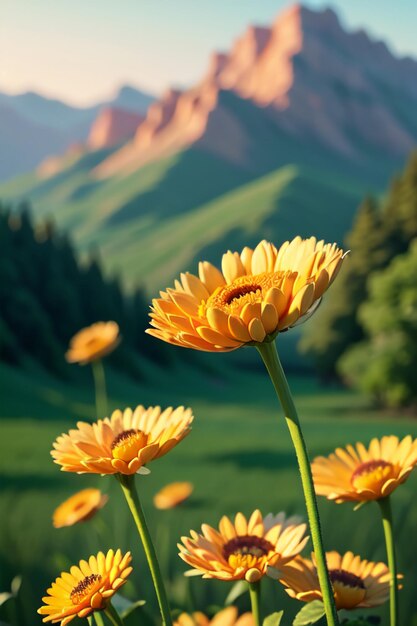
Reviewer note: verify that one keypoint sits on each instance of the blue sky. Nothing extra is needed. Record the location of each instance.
(82, 50)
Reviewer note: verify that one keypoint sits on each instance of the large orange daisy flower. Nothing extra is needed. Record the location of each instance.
(244, 549)
(93, 342)
(356, 583)
(227, 617)
(357, 473)
(86, 588)
(257, 294)
(123, 443)
(80, 507)
(172, 495)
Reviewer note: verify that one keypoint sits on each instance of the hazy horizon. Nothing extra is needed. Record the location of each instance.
(135, 47)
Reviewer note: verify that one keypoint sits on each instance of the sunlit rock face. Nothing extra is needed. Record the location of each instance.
(316, 81)
(113, 126)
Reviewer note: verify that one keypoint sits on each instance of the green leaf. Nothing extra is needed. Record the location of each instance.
(310, 613)
(239, 588)
(274, 619)
(132, 608)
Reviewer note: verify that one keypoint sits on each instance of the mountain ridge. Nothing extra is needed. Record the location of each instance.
(333, 112)
(293, 68)
(55, 124)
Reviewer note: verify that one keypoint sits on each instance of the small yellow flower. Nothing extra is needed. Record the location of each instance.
(93, 342)
(357, 473)
(172, 495)
(356, 583)
(226, 617)
(258, 293)
(244, 549)
(123, 443)
(86, 588)
(80, 507)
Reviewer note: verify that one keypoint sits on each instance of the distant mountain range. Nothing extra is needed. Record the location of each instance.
(284, 134)
(33, 127)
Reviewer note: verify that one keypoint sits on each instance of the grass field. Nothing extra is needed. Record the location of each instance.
(238, 456)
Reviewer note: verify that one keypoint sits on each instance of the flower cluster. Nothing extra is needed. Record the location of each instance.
(256, 295)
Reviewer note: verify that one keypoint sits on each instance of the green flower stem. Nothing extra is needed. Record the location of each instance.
(131, 495)
(255, 596)
(269, 355)
(98, 618)
(113, 615)
(386, 512)
(100, 388)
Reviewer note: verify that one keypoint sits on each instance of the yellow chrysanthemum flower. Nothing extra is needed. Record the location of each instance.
(86, 588)
(244, 549)
(227, 617)
(356, 583)
(80, 507)
(357, 473)
(93, 342)
(123, 443)
(257, 294)
(172, 495)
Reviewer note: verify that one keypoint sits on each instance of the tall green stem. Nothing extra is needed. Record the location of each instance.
(272, 363)
(100, 388)
(113, 615)
(131, 495)
(255, 595)
(386, 512)
(98, 618)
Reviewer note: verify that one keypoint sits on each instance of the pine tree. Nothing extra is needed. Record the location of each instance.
(46, 296)
(384, 364)
(335, 326)
(378, 235)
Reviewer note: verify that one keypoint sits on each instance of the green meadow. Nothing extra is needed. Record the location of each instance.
(238, 456)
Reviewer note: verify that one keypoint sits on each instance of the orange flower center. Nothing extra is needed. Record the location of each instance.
(372, 475)
(349, 589)
(247, 551)
(84, 588)
(128, 443)
(244, 290)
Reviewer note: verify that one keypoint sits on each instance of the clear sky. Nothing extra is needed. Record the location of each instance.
(82, 50)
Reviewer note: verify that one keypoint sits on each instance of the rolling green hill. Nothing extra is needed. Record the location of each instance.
(128, 217)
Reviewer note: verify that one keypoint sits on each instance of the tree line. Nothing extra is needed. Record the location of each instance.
(366, 330)
(47, 295)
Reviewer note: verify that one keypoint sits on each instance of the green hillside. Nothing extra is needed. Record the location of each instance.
(150, 246)
(159, 219)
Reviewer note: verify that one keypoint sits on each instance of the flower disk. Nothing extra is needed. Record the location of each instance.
(355, 583)
(86, 588)
(80, 507)
(172, 495)
(123, 443)
(258, 293)
(94, 342)
(225, 617)
(356, 473)
(245, 549)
